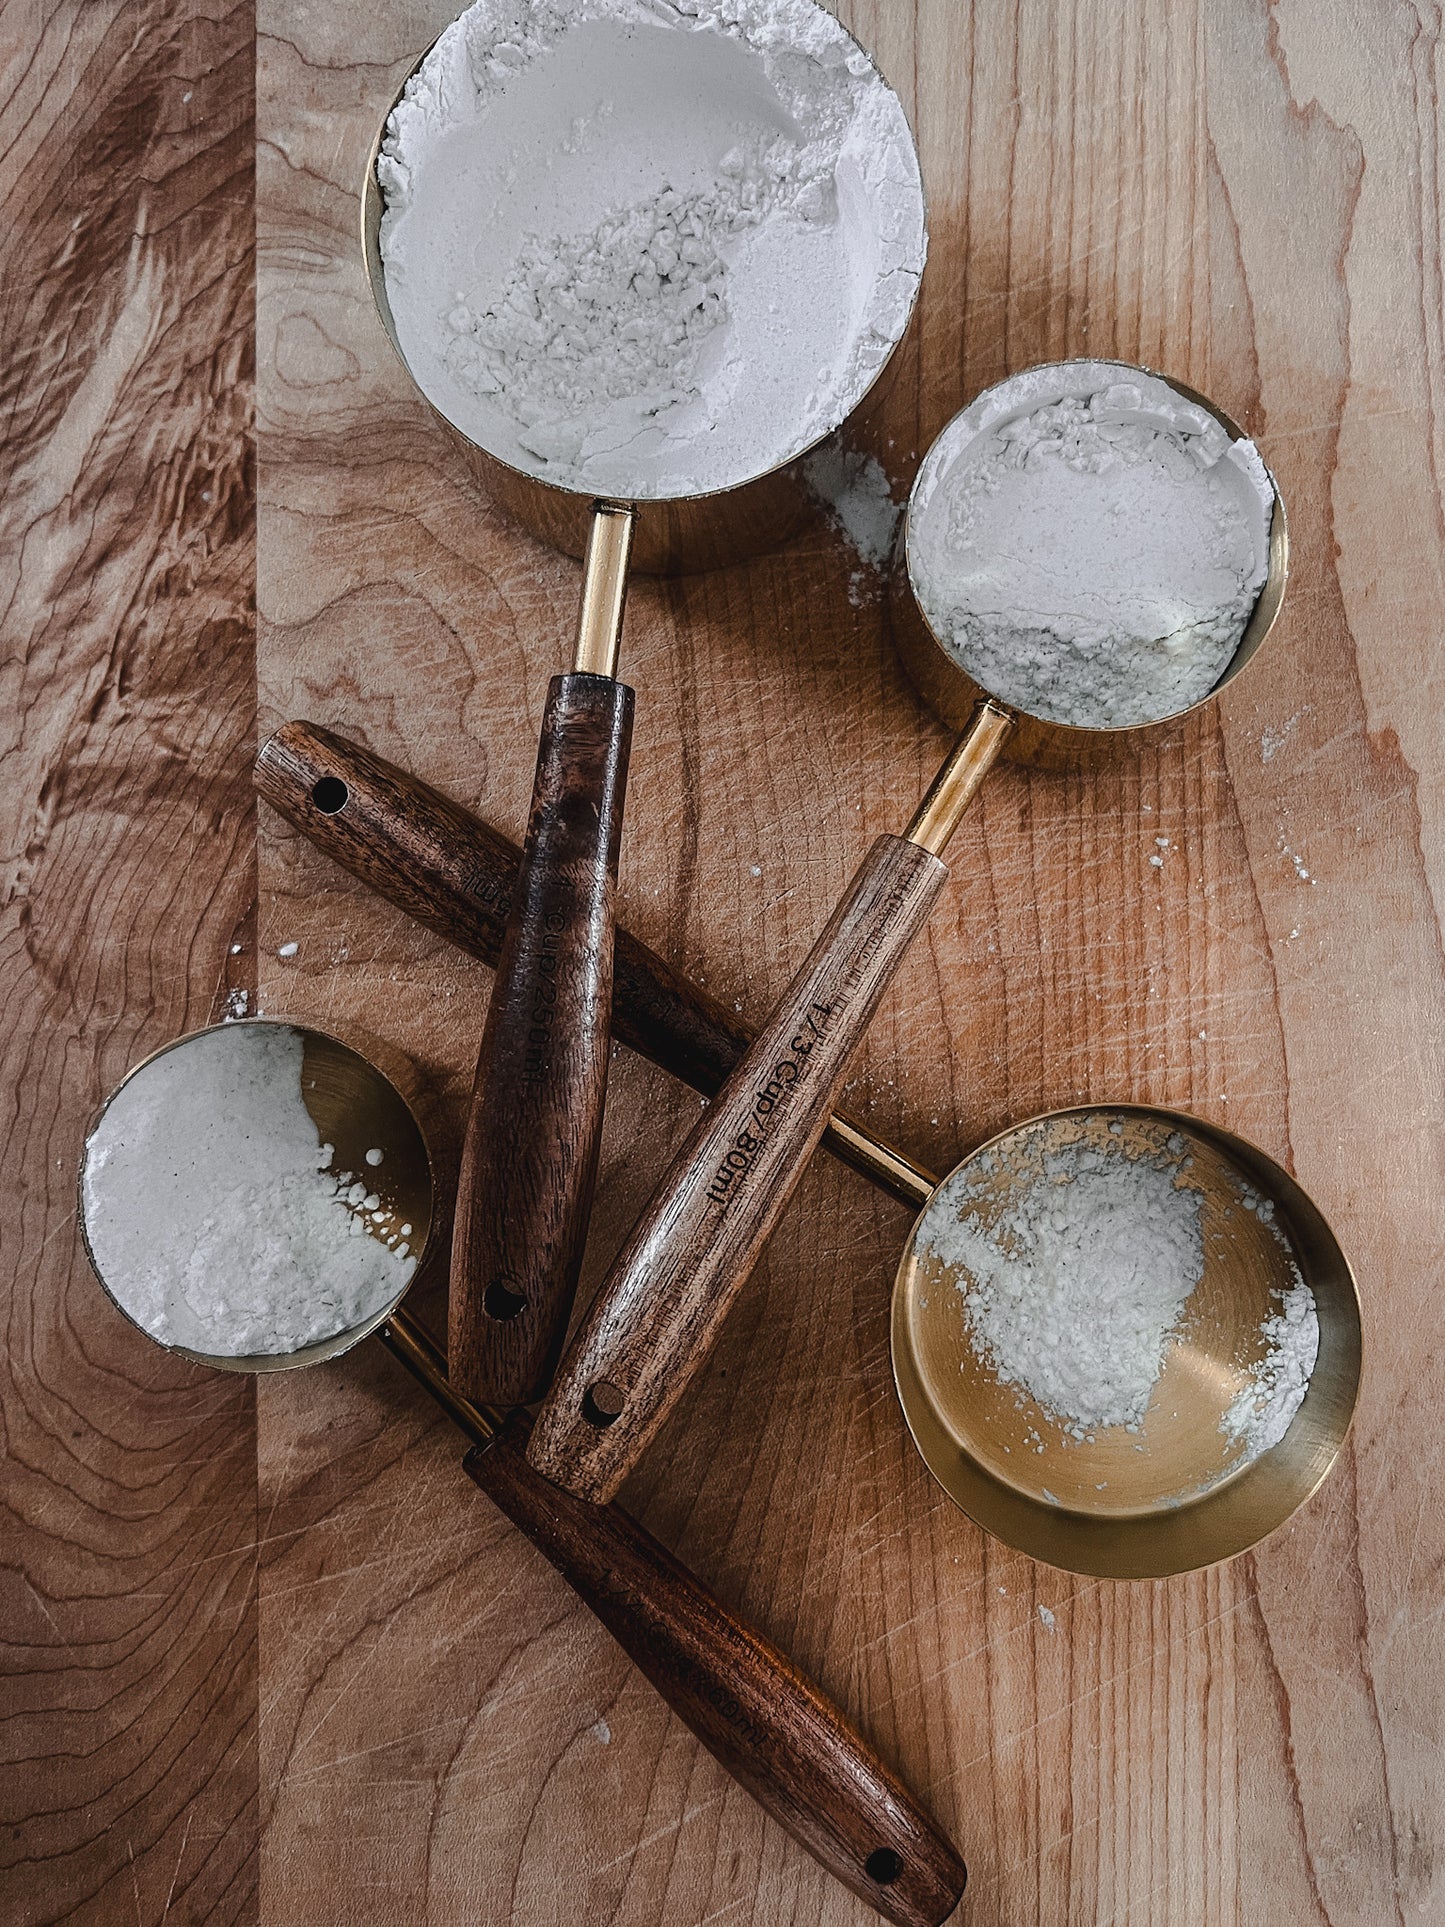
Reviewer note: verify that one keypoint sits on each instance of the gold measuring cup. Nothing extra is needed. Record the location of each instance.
(1180, 1492)
(530, 1156)
(662, 1304)
(769, 1726)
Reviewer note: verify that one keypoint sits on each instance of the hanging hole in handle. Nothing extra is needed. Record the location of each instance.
(499, 1301)
(883, 1866)
(330, 795)
(603, 1402)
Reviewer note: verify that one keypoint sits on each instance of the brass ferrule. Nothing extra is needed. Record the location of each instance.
(604, 587)
(954, 787)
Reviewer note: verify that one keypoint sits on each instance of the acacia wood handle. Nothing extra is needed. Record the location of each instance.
(660, 1307)
(457, 875)
(769, 1726)
(529, 1157)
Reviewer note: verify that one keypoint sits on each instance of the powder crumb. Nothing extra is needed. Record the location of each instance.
(235, 950)
(601, 1732)
(375, 1155)
(288, 950)
(1156, 862)
(210, 1211)
(1272, 740)
(856, 493)
(1047, 1618)
(1299, 867)
(1074, 1285)
(238, 1004)
(1264, 1410)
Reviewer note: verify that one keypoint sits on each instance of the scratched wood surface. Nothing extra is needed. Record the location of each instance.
(267, 1656)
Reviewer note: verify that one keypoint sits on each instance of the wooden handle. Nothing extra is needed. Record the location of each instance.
(660, 1307)
(529, 1158)
(768, 1725)
(457, 875)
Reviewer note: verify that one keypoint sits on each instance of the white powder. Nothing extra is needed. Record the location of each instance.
(211, 1212)
(648, 247)
(1073, 1292)
(855, 491)
(1262, 1413)
(1089, 545)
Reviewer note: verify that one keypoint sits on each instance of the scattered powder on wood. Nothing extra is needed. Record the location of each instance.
(212, 1212)
(1262, 1413)
(1073, 1292)
(855, 491)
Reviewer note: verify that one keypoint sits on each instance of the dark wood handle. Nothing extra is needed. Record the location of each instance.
(768, 1725)
(457, 875)
(529, 1157)
(660, 1308)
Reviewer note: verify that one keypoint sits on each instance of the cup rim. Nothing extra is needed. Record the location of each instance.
(322, 1349)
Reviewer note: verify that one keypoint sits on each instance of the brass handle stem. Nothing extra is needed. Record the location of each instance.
(956, 784)
(404, 1338)
(604, 587)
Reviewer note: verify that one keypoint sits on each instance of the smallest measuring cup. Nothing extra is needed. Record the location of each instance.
(256, 1196)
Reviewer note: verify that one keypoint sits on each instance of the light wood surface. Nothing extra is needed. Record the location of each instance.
(268, 1656)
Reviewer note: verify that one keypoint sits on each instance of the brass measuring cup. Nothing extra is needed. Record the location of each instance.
(658, 1311)
(1179, 1493)
(530, 1155)
(767, 1724)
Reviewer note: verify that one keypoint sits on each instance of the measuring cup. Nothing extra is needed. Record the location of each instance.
(660, 1308)
(1181, 1491)
(530, 1154)
(769, 1726)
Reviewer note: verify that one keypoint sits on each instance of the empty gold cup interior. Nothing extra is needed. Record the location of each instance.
(355, 1107)
(1177, 1493)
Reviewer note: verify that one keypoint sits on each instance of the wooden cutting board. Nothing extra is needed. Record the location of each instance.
(269, 1657)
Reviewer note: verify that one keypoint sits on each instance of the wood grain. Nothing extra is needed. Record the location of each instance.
(1248, 196)
(128, 1767)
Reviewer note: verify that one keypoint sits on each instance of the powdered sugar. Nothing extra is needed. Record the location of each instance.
(1261, 1414)
(648, 247)
(1089, 544)
(856, 493)
(211, 1211)
(1074, 1290)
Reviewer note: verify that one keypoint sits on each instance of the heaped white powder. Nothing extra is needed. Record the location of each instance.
(1262, 1412)
(855, 491)
(1074, 1290)
(212, 1214)
(648, 247)
(1090, 545)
